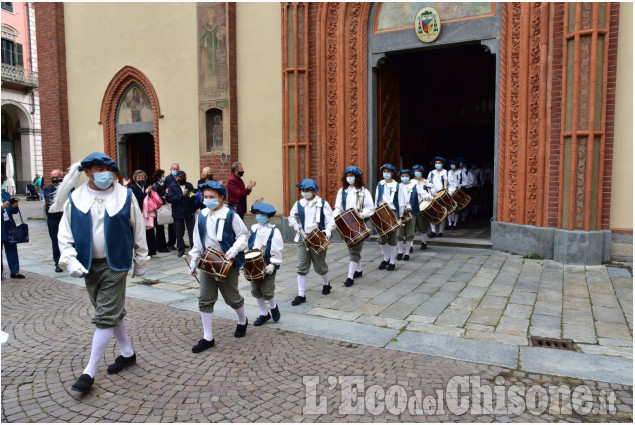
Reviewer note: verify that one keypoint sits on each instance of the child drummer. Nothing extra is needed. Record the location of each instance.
(438, 179)
(387, 193)
(222, 229)
(408, 201)
(306, 215)
(353, 194)
(265, 237)
(425, 193)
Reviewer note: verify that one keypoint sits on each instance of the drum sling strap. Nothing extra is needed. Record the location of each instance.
(252, 241)
(360, 200)
(227, 233)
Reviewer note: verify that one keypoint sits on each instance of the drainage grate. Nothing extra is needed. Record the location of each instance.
(561, 344)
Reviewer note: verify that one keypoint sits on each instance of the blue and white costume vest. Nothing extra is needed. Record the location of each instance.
(321, 222)
(414, 200)
(380, 195)
(357, 207)
(229, 237)
(252, 240)
(118, 235)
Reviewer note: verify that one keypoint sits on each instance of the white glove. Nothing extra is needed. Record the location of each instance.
(231, 253)
(296, 227)
(75, 269)
(270, 268)
(193, 264)
(139, 271)
(327, 232)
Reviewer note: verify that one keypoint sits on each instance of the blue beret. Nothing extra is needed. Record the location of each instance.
(214, 185)
(439, 158)
(418, 167)
(99, 158)
(308, 184)
(453, 161)
(180, 173)
(405, 171)
(461, 159)
(261, 207)
(353, 169)
(388, 167)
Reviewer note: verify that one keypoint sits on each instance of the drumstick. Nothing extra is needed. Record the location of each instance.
(302, 234)
(188, 266)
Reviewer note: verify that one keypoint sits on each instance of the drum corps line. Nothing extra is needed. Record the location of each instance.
(102, 238)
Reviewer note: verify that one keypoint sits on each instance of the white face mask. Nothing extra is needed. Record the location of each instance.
(307, 195)
(350, 180)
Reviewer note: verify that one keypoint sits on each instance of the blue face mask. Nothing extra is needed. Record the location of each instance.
(262, 218)
(211, 203)
(162, 179)
(418, 174)
(387, 176)
(453, 166)
(103, 180)
(438, 166)
(405, 179)
(174, 173)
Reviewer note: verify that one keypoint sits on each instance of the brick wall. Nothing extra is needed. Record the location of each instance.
(51, 48)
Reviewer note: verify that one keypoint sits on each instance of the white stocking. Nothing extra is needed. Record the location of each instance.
(400, 246)
(301, 284)
(240, 312)
(408, 245)
(121, 335)
(101, 338)
(393, 254)
(384, 250)
(206, 319)
(352, 268)
(263, 306)
(325, 279)
(272, 304)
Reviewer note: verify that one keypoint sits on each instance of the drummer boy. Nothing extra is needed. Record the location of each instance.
(408, 200)
(387, 192)
(354, 195)
(219, 228)
(268, 239)
(307, 214)
(425, 193)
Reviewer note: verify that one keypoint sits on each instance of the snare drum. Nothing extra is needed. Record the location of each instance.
(255, 265)
(215, 264)
(444, 198)
(351, 227)
(461, 198)
(317, 241)
(407, 216)
(384, 220)
(433, 211)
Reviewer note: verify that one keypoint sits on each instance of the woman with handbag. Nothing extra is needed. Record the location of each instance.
(158, 177)
(10, 207)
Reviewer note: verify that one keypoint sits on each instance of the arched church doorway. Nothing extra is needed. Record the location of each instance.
(441, 102)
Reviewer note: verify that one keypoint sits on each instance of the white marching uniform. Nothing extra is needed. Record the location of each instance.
(439, 179)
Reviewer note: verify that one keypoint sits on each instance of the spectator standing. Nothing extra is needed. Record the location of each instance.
(53, 218)
(236, 190)
(158, 177)
(181, 195)
(140, 190)
(10, 207)
(169, 179)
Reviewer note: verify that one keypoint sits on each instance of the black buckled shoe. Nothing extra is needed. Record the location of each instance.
(326, 289)
(406, 257)
(439, 235)
(58, 269)
(83, 384)
(399, 256)
(298, 300)
(390, 267)
(357, 274)
(203, 345)
(383, 265)
(424, 246)
(121, 363)
(432, 235)
(241, 330)
(261, 320)
(275, 313)
(349, 282)
(17, 276)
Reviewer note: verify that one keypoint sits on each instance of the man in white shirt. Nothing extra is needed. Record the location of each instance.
(425, 192)
(219, 228)
(101, 232)
(310, 213)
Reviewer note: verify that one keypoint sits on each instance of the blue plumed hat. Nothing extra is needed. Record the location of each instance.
(353, 169)
(214, 185)
(405, 171)
(439, 158)
(388, 167)
(308, 184)
(263, 208)
(98, 158)
(418, 167)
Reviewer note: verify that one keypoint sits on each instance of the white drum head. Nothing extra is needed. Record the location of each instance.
(252, 255)
(424, 205)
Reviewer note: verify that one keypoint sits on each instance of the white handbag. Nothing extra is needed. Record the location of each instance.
(164, 215)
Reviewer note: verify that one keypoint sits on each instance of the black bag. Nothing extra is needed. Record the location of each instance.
(19, 233)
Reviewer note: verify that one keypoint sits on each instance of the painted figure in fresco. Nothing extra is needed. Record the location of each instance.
(210, 41)
(217, 132)
(135, 104)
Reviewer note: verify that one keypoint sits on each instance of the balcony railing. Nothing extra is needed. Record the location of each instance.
(19, 76)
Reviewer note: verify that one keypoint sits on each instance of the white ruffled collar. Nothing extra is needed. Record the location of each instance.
(113, 203)
(217, 214)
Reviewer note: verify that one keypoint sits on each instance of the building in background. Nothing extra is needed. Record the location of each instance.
(21, 134)
(540, 92)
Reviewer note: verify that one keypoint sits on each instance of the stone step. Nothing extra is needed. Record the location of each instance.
(451, 241)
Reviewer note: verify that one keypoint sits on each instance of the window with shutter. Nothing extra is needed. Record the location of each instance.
(8, 6)
(8, 52)
(18, 55)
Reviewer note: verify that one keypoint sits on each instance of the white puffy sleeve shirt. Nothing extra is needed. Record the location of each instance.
(355, 197)
(213, 236)
(312, 215)
(263, 231)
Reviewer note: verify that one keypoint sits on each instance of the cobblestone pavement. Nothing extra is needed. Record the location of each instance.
(474, 294)
(258, 378)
